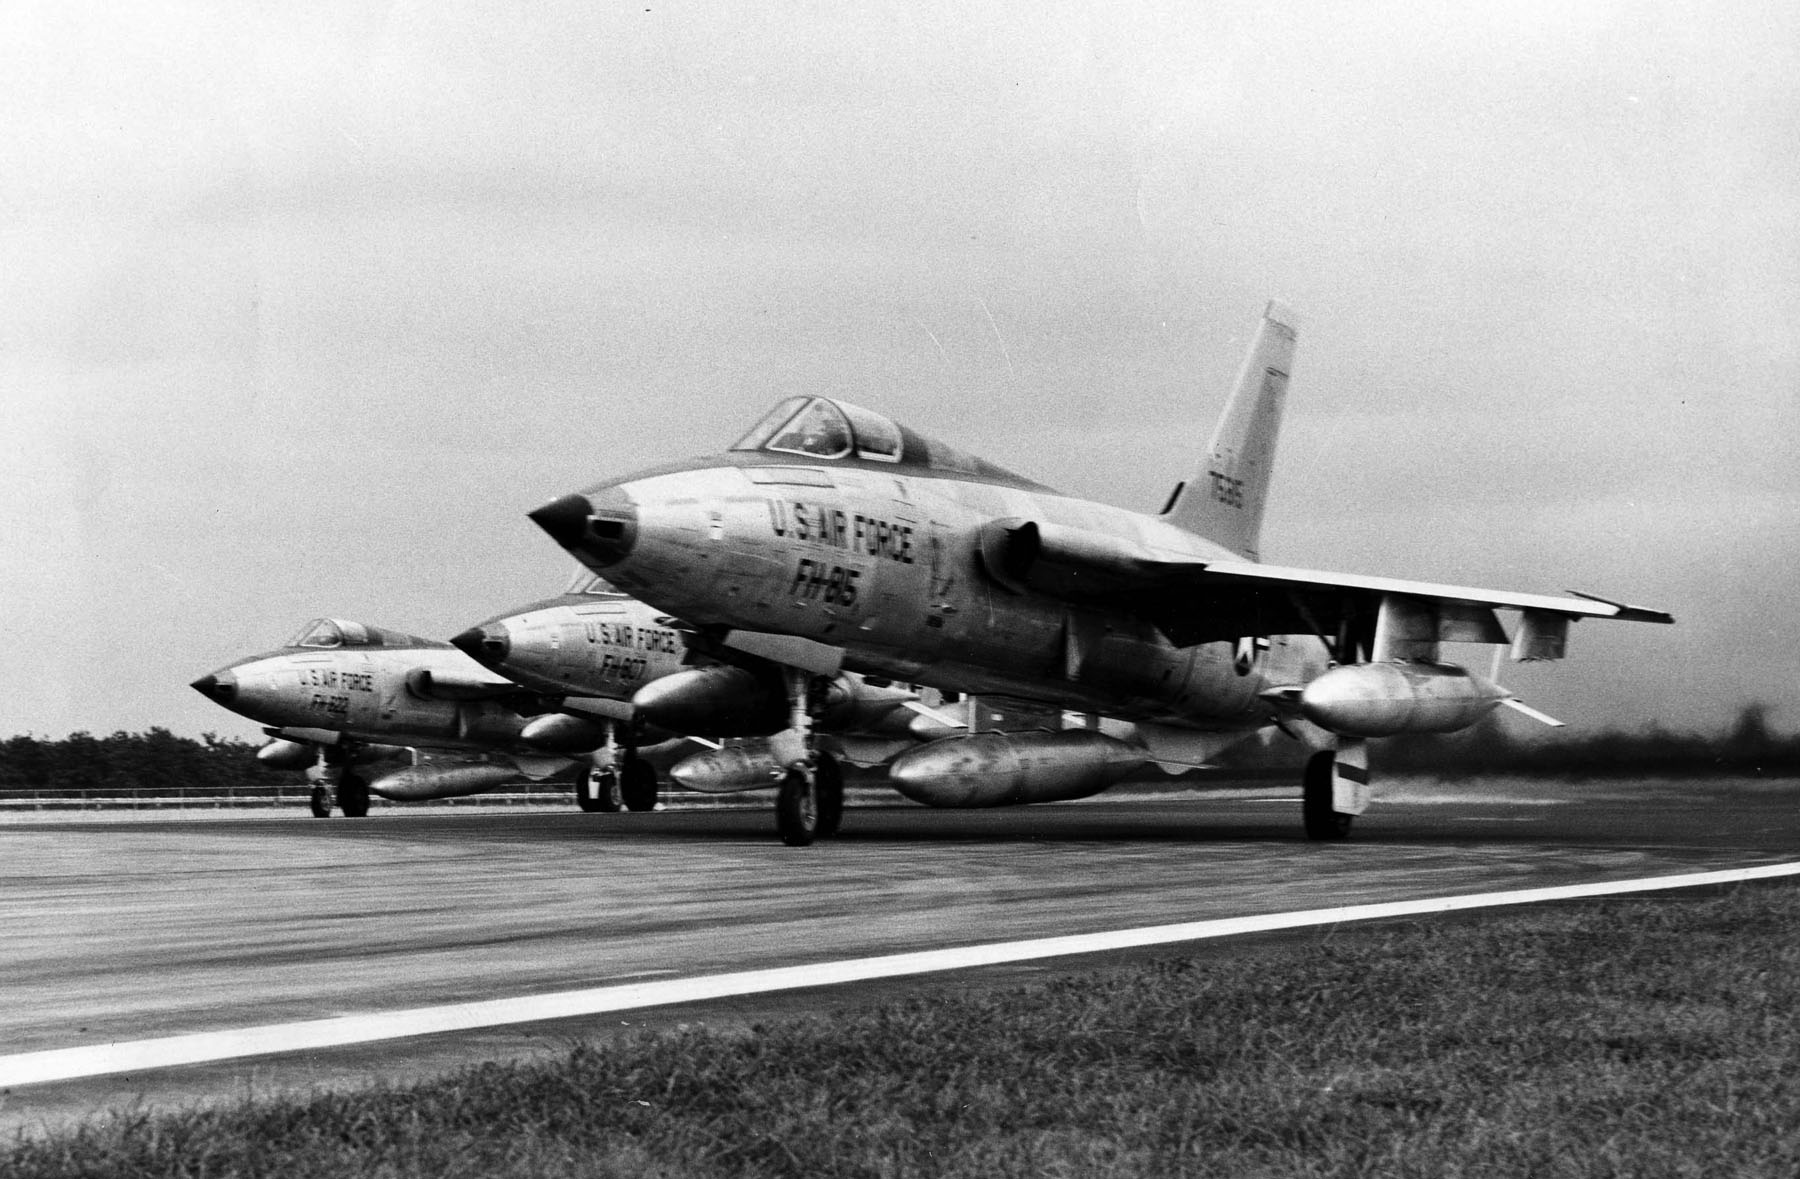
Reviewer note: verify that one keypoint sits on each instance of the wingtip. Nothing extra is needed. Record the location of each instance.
(1627, 613)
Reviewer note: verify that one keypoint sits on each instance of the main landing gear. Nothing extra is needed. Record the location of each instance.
(1335, 789)
(1321, 821)
(619, 780)
(338, 782)
(810, 804)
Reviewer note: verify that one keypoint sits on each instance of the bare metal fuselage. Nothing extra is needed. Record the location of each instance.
(369, 695)
(886, 564)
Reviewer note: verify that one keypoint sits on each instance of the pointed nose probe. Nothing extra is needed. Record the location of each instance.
(565, 519)
(487, 645)
(220, 686)
(600, 529)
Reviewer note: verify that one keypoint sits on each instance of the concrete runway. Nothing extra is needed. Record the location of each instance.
(121, 925)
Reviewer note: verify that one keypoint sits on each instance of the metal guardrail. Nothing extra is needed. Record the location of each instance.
(203, 797)
(551, 794)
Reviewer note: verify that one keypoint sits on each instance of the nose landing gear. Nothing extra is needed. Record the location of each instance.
(810, 804)
(618, 780)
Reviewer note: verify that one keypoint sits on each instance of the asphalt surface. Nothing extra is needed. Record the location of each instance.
(124, 926)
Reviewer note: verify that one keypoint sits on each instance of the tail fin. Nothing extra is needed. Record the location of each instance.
(1224, 499)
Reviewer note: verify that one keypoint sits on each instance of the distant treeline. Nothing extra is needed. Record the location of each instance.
(153, 761)
(159, 760)
(1746, 747)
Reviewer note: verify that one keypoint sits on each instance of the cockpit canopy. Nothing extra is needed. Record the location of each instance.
(328, 633)
(827, 429)
(823, 428)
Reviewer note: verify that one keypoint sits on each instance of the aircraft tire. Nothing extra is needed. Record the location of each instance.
(797, 808)
(320, 801)
(1322, 823)
(598, 792)
(352, 795)
(638, 784)
(828, 779)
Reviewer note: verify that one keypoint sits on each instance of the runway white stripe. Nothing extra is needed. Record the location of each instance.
(133, 1056)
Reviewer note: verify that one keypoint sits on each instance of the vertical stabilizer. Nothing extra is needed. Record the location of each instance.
(1223, 500)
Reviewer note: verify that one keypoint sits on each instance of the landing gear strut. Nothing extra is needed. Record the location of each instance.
(1322, 821)
(811, 801)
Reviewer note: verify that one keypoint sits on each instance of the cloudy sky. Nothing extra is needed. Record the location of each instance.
(305, 306)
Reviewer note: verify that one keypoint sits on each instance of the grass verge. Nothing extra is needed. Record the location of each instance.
(1626, 1038)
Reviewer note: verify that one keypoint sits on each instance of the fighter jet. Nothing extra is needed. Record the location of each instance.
(588, 649)
(830, 537)
(408, 718)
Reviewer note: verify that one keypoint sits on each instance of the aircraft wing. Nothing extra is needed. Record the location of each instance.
(1272, 599)
(1196, 601)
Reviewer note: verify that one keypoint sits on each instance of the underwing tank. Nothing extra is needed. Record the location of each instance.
(733, 768)
(282, 754)
(561, 732)
(420, 782)
(716, 701)
(1003, 769)
(1382, 699)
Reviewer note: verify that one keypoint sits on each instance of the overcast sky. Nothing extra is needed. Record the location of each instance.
(304, 307)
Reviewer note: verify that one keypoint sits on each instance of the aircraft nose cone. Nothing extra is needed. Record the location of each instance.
(488, 645)
(565, 519)
(600, 529)
(220, 686)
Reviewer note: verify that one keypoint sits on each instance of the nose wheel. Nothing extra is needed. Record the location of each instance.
(619, 780)
(797, 807)
(811, 802)
(597, 791)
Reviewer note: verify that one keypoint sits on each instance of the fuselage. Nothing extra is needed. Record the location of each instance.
(368, 684)
(592, 642)
(882, 557)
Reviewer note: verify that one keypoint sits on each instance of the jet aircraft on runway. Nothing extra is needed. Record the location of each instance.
(588, 679)
(586, 650)
(830, 537)
(410, 718)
